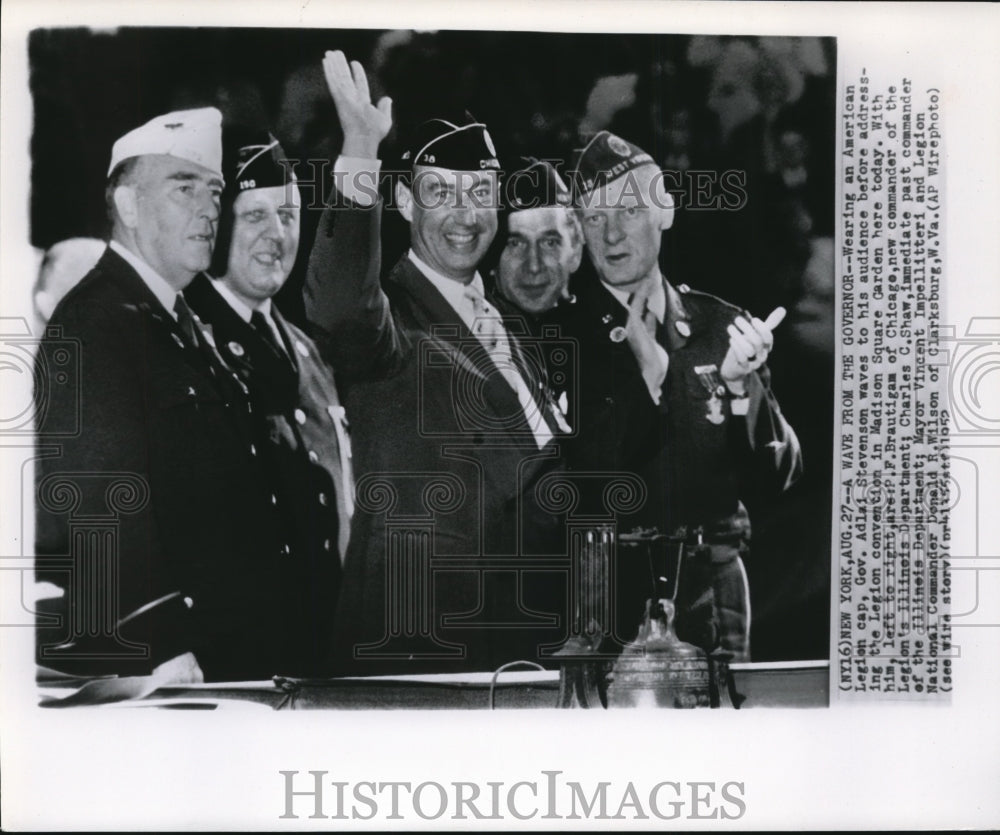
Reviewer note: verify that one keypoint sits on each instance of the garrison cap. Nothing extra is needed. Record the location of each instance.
(255, 159)
(604, 159)
(194, 135)
(536, 186)
(444, 144)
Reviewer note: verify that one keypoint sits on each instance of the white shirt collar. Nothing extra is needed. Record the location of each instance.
(243, 310)
(158, 285)
(657, 300)
(453, 291)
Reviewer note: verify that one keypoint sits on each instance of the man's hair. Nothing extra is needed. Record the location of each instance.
(121, 175)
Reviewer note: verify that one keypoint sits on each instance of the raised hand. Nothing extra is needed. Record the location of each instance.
(364, 124)
(749, 344)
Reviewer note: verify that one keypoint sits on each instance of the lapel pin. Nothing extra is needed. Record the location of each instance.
(617, 334)
(236, 349)
(606, 319)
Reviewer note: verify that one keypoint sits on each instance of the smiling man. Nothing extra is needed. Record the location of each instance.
(300, 426)
(152, 443)
(451, 425)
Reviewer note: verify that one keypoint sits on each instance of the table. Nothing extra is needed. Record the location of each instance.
(798, 684)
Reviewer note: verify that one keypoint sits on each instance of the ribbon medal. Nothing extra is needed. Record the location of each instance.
(710, 379)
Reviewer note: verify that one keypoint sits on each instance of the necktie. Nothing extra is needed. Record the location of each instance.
(192, 339)
(488, 328)
(276, 375)
(650, 354)
(185, 320)
(266, 332)
(650, 321)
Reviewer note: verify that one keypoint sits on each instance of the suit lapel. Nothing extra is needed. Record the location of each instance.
(680, 325)
(447, 331)
(287, 339)
(133, 288)
(242, 347)
(606, 316)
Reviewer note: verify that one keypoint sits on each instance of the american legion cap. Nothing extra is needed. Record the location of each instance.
(193, 135)
(602, 160)
(536, 186)
(443, 144)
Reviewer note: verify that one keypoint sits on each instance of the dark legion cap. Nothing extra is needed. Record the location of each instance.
(257, 162)
(604, 159)
(444, 144)
(537, 185)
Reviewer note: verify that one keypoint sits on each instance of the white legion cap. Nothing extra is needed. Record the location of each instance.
(194, 135)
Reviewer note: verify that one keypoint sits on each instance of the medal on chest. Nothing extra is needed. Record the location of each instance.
(710, 379)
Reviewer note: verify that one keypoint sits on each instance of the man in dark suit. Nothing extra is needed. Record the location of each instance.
(538, 248)
(451, 427)
(153, 508)
(301, 425)
(674, 388)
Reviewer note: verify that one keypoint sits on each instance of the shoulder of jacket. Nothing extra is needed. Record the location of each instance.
(706, 301)
(95, 305)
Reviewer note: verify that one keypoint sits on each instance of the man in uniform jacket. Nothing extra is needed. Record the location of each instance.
(451, 430)
(674, 388)
(154, 513)
(300, 427)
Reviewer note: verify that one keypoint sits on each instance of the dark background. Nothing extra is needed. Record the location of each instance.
(762, 106)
